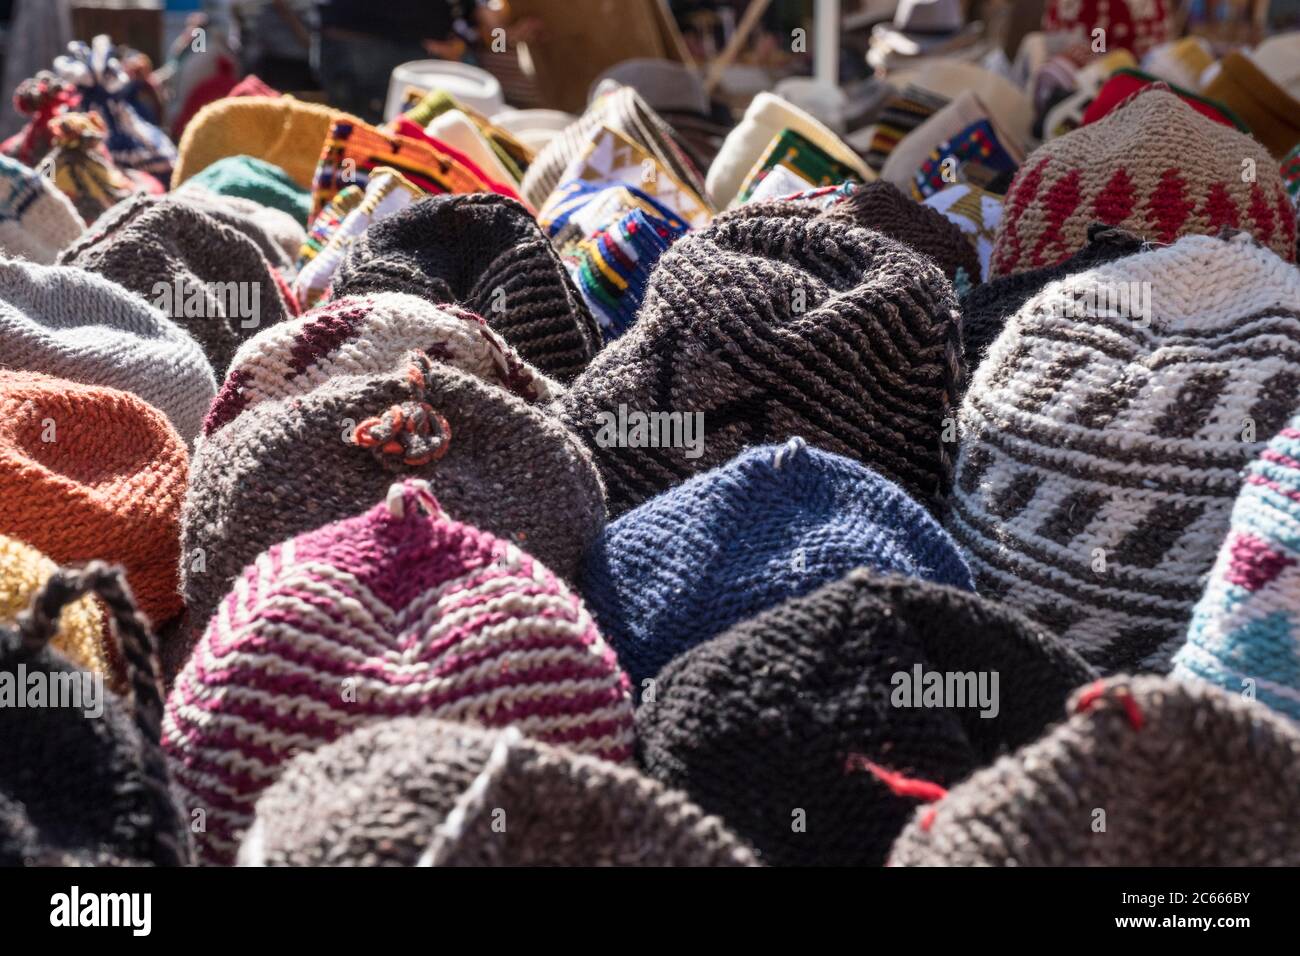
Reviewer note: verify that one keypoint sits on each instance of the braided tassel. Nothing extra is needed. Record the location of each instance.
(411, 433)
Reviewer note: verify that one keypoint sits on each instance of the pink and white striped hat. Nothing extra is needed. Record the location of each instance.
(400, 611)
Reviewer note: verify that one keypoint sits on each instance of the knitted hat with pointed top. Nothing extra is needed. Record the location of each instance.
(484, 252)
(766, 327)
(1163, 765)
(775, 522)
(445, 621)
(284, 466)
(1104, 435)
(802, 727)
(1155, 167)
(420, 791)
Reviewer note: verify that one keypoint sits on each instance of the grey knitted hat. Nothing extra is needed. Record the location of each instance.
(1146, 771)
(276, 233)
(486, 253)
(797, 725)
(286, 466)
(76, 325)
(1104, 435)
(209, 277)
(773, 327)
(425, 792)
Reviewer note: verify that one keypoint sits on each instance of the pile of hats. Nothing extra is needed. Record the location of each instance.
(661, 490)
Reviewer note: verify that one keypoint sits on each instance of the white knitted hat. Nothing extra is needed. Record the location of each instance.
(36, 220)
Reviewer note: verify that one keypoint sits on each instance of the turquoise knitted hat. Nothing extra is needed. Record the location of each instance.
(251, 178)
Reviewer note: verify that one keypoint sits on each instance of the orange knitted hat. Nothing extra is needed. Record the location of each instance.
(1153, 166)
(89, 472)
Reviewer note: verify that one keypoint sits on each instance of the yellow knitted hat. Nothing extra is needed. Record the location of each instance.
(281, 130)
(23, 570)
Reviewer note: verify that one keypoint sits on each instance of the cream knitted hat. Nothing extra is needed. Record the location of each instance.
(36, 219)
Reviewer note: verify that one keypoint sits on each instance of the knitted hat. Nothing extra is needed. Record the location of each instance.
(277, 236)
(1135, 25)
(80, 637)
(71, 323)
(41, 98)
(1145, 772)
(976, 213)
(949, 131)
(986, 309)
(89, 472)
(625, 112)
(207, 276)
(251, 178)
(768, 327)
(579, 209)
(85, 782)
(1122, 84)
(1155, 167)
(36, 219)
(362, 335)
(447, 621)
(786, 725)
(1184, 351)
(1243, 633)
(279, 130)
(104, 87)
(1271, 112)
(796, 161)
(776, 522)
(441, 114)
(80, 167)
(286, 466)
(486, 253)
(767, 116)
(387, 192)
(327, 222)
(420, 791)
(354, 150)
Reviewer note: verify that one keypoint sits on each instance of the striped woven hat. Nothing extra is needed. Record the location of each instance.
(363, 335)
(284, 466)
(1104, 435)
(768, 327)
(1245, 634)
(488, 254)
(1153, 166)
(426, 792)
(442, 620)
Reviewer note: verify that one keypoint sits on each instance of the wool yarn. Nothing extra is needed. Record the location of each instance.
(282, 467)
(277, 235)
(421, 791)
(36, 219)
(487, 254)
(85, 782)
(986, 308)
(74, 324)
(279, 130)
(445, 621)
(776, 522)
(361, 335)
(1242, 637)
(208, 277)
(80, 634)
(1133, 168)
(623, 111)
(772, 327)
(1105, 540)
(251, 178)
(777, 724)
(1186, 775)
(89, 472)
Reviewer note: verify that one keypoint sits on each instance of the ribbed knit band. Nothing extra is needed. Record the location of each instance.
(1244, 634)
(410, 792)
(445, 620)
(71, 323)
(774, 327)
(775, 725)
(1103, 439)
(1145, 772)
(486, 253)
(776, 522)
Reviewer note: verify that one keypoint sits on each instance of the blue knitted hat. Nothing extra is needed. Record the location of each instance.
(774, 523)
(1245, 632)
